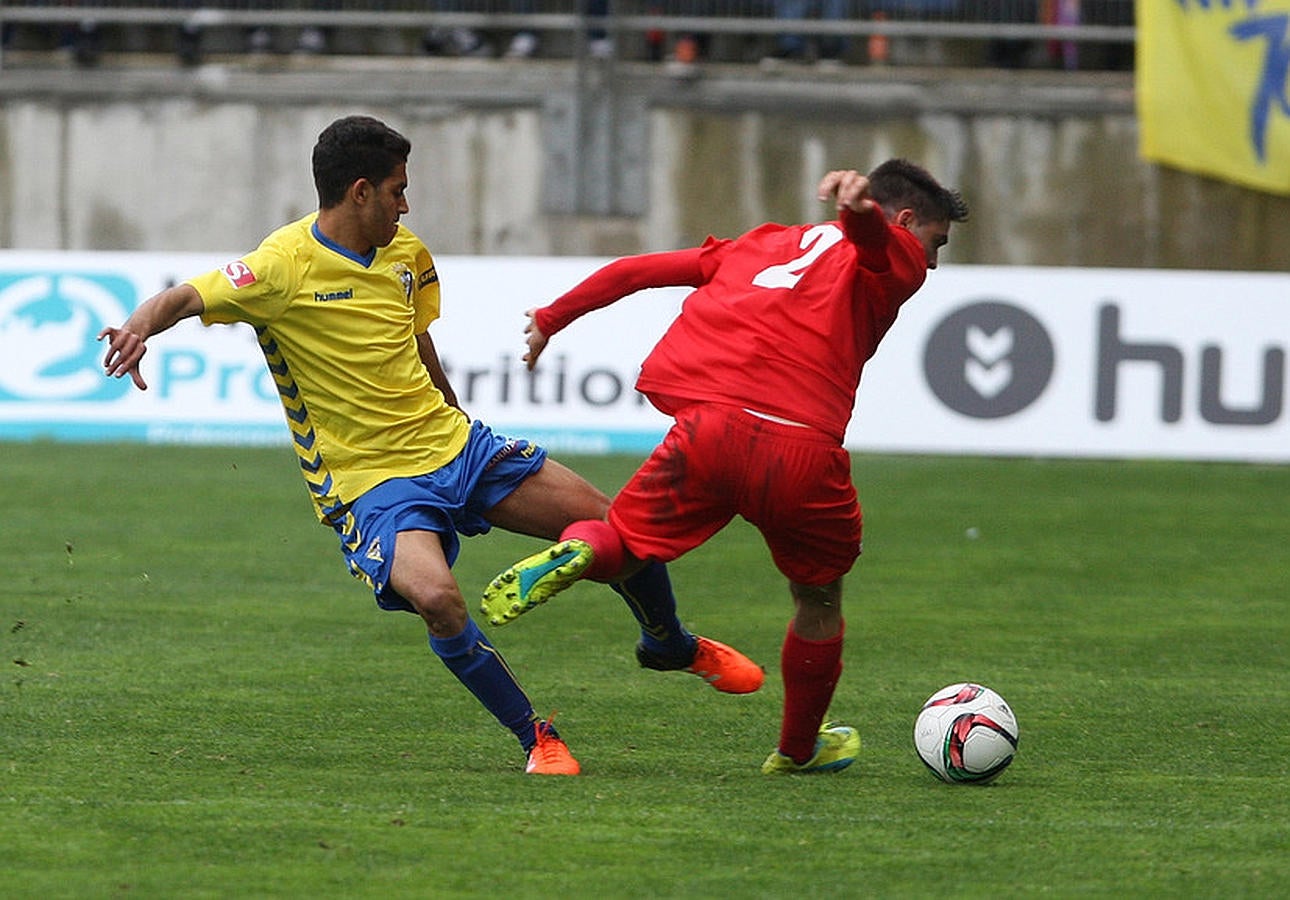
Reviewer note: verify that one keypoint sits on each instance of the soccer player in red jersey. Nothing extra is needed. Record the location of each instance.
(760, 371)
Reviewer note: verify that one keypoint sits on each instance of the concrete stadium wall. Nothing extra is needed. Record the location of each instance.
(550, 159)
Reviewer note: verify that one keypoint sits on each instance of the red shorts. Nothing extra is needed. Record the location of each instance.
(716, 462)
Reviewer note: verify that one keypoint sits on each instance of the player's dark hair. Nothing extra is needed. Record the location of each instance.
(352, 148)
(900, 184)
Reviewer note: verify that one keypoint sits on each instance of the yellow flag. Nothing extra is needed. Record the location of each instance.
(1213, 88)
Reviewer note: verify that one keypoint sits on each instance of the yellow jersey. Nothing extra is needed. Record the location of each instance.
(339, 335)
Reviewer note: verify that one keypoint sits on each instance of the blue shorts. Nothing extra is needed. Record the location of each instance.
(448, 501)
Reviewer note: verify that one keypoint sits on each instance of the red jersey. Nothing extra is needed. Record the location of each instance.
(782, 319)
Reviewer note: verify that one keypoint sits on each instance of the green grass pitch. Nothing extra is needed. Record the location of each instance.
(198, 701)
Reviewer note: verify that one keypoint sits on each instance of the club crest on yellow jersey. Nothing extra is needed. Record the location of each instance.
(404, 274)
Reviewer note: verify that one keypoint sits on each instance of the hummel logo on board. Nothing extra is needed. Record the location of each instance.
(988, 359)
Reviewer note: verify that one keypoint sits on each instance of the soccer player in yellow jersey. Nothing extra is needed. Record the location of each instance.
(341, 301)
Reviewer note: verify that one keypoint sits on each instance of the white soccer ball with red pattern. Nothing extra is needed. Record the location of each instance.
(966, 734)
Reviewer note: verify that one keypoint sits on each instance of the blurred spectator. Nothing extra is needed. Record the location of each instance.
(87, 43)
(1063, 12)
(1112, 55)
(259, 39)
(524, 44)
(928, 51)
(827, 48)
(1009, 53)
(690, 47)
(188, 44)
(459, 40)
(599, 43)
(456, 41)
(311, 39)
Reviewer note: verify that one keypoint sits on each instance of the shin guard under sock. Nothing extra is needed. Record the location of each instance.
(810, 670)
(485, 674)
(649, 596)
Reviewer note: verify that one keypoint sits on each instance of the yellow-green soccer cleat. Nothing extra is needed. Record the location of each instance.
(836, 748)
(535, 580)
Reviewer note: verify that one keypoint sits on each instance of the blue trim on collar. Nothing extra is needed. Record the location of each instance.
(365, 260)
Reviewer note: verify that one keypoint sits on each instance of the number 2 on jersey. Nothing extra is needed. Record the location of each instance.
(786, 275)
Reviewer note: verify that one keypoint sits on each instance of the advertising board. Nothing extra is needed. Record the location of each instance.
(983, 360)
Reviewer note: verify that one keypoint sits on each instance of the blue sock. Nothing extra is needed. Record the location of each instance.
(482, 670)
(649, 596)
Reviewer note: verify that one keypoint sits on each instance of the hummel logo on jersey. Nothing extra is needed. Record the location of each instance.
(511, 448)
(328, 296)
(239, 274)
(374, 550)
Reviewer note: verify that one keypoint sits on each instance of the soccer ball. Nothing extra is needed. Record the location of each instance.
(966, 734)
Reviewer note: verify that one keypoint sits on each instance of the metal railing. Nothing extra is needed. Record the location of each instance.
(1073, 22)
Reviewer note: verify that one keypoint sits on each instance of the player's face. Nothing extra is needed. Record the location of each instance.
(387, 202)
(932, 235)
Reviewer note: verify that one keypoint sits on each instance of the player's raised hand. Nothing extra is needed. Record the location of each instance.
(161, 311)
(848, 188)
(534, 338)
(125, 349)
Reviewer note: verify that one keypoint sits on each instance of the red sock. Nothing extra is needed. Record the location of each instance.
(605, 543)
(810, 670)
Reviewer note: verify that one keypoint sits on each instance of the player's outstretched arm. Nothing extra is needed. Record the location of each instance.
(127, 344)
(608, 284)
